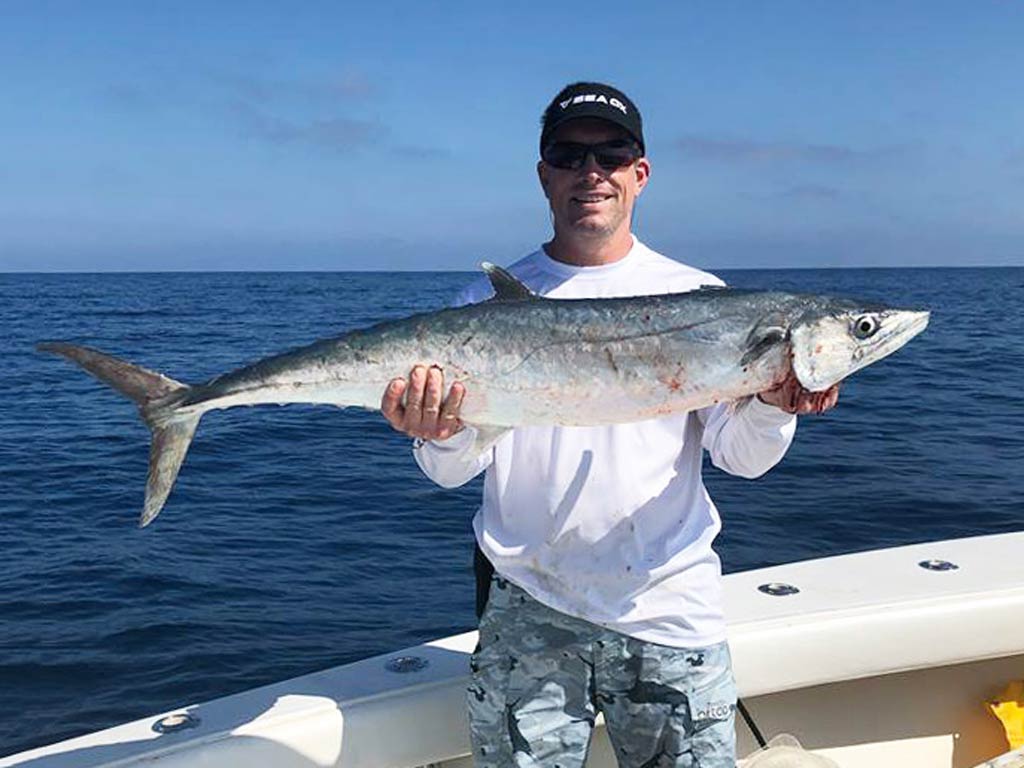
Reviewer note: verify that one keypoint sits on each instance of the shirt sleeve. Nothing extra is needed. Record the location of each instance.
(746, 438)
(452, 462)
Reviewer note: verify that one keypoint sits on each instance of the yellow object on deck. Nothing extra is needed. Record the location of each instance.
(1009, 708)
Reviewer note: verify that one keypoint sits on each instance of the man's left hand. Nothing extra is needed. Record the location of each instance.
(791, 397)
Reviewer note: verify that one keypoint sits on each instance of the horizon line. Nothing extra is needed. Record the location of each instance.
(470, 270)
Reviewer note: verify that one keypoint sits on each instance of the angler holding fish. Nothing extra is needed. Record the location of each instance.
(586, 389)
(597, 586)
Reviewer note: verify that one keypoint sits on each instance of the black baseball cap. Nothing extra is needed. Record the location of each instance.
(592, 100)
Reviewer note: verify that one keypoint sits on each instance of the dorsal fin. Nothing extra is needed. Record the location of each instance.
(507, 287)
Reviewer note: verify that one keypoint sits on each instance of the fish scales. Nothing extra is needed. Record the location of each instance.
(522, 365)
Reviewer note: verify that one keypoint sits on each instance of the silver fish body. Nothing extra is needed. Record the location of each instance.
(567, 362)
(526, 360)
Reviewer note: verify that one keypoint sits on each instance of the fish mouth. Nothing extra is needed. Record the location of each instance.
(908, 327)
(909, 324)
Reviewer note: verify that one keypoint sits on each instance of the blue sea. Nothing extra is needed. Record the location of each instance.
(304, 537)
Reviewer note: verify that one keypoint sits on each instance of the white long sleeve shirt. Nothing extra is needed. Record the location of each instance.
(613, 524)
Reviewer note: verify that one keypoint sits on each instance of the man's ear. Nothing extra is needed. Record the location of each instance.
(542, 174)
(643, 174)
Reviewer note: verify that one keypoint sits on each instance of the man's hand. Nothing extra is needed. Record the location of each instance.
(423, 415)
(791, 397)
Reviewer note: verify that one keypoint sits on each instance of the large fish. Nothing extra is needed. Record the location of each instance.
(527, 360)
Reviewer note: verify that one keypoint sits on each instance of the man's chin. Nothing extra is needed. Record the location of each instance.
(597, 226)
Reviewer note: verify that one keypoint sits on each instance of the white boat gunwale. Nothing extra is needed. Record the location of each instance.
(361, 714)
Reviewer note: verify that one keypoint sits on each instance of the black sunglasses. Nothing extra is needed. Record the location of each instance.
(572, 155)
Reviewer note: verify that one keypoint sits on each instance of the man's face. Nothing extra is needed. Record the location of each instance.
(592, 201)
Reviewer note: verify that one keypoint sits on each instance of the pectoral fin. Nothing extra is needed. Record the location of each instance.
(762, 339)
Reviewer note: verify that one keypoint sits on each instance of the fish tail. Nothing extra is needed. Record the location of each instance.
(158, 398)
(166, 454)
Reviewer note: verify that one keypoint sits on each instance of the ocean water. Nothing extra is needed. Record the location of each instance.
(303, 537)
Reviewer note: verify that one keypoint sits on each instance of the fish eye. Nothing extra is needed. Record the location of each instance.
(865, 326)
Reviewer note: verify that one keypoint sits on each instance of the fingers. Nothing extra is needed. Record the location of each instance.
(448, 422)
(422, 414)
(791, 397)
(792, 390)
(785, 396)
(829, 398)
(815, 402)
(391, 403)
(431, 401)
(414, 401)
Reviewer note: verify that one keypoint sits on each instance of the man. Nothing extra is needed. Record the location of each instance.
(606, 593)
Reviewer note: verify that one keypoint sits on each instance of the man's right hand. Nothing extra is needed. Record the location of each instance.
(422, 414)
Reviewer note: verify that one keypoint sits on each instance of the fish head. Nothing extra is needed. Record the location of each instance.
(830, 342)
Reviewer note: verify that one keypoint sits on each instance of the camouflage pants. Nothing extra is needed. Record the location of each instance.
(540, 677)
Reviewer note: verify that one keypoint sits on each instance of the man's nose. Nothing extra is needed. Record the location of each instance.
(590, 165)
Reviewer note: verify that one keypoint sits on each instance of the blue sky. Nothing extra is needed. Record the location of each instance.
(180, 136)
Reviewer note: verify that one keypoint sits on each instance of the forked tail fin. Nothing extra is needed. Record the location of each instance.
(157, 397)
(166, 453)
